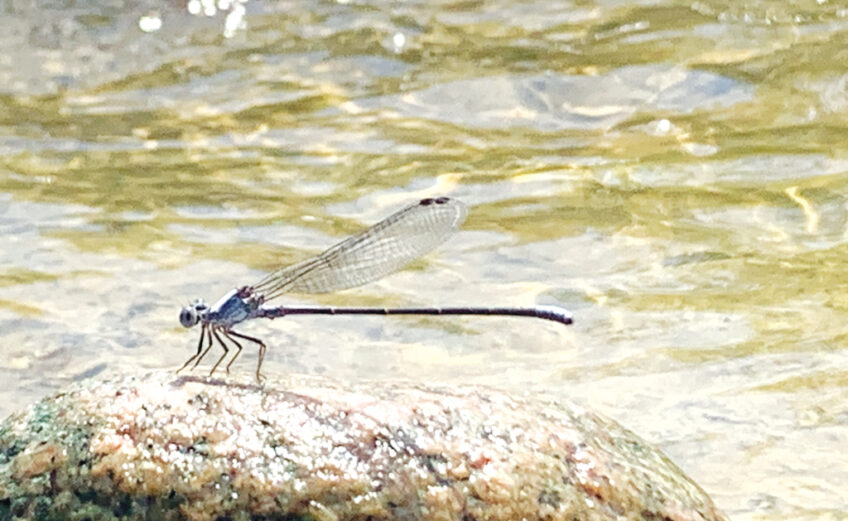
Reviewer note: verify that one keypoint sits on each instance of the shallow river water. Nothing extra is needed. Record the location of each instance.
(675, 173)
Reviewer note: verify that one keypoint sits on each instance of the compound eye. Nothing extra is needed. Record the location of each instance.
(188, 317)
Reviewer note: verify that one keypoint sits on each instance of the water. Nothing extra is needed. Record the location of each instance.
(673, 173)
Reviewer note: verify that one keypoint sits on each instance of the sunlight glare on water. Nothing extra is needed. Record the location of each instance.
(673, 173)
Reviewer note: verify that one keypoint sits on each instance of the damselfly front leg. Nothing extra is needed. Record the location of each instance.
(204, 331)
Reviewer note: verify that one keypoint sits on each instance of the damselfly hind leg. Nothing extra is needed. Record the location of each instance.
(262, 349)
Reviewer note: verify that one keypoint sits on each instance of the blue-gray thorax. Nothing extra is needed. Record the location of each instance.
(234, 307)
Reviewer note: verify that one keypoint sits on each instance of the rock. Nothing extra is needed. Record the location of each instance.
(158, 446)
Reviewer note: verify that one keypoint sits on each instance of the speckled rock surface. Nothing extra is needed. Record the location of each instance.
(158, 446)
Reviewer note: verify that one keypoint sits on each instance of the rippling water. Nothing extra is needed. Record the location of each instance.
(674, 173)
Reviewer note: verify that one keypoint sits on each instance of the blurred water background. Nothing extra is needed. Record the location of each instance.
(673, 172)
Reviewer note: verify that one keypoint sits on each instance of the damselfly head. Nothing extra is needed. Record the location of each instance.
(190, 315)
